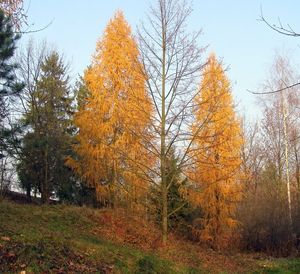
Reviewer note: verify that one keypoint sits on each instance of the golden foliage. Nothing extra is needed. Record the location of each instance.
(111, 151)
(217, 156)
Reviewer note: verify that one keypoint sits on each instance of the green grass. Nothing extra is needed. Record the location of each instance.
(279, 266)
(61, 239)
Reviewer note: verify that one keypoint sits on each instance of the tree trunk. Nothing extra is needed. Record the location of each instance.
(45, 186)
(285, 115)
(297, 172)
(28, 193)
(164, 187)
(171, 65)
(164, 214)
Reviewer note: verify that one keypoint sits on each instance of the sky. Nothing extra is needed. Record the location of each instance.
(230, 28)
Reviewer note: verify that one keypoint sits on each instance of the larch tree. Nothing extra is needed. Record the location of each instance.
(112, 119)
(217, 151)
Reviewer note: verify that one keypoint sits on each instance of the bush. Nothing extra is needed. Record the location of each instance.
(263, 217)
(151, 265)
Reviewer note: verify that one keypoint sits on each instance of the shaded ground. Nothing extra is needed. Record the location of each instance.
(64, 239)
(21, 198)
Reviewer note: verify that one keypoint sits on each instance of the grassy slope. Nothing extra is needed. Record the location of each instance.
(60, 239)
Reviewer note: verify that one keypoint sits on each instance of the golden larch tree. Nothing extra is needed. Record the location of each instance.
(217, 155)
(110, 149)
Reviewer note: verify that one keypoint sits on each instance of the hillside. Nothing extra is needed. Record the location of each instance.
(67, 239)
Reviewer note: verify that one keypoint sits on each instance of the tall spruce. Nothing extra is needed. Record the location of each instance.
(47, 143)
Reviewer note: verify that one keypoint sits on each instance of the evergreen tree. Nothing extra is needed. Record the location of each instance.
(76, 191)
(47, 144)
(178, 206)
(9, 86)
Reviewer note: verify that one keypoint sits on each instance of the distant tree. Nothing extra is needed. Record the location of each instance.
(113, 114)
(263, 216)
(252, 158)
(280, 120)
(218, 157)
(47, 143)
(269, 212)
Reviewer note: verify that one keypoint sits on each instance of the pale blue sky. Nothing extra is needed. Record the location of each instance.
(230, 28)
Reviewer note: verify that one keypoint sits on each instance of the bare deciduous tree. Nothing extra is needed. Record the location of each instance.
(30, 60)
(252, 158)
(172, 62)
(280, 117)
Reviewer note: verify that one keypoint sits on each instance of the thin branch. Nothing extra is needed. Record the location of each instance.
(274, 91)
(280, 29)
